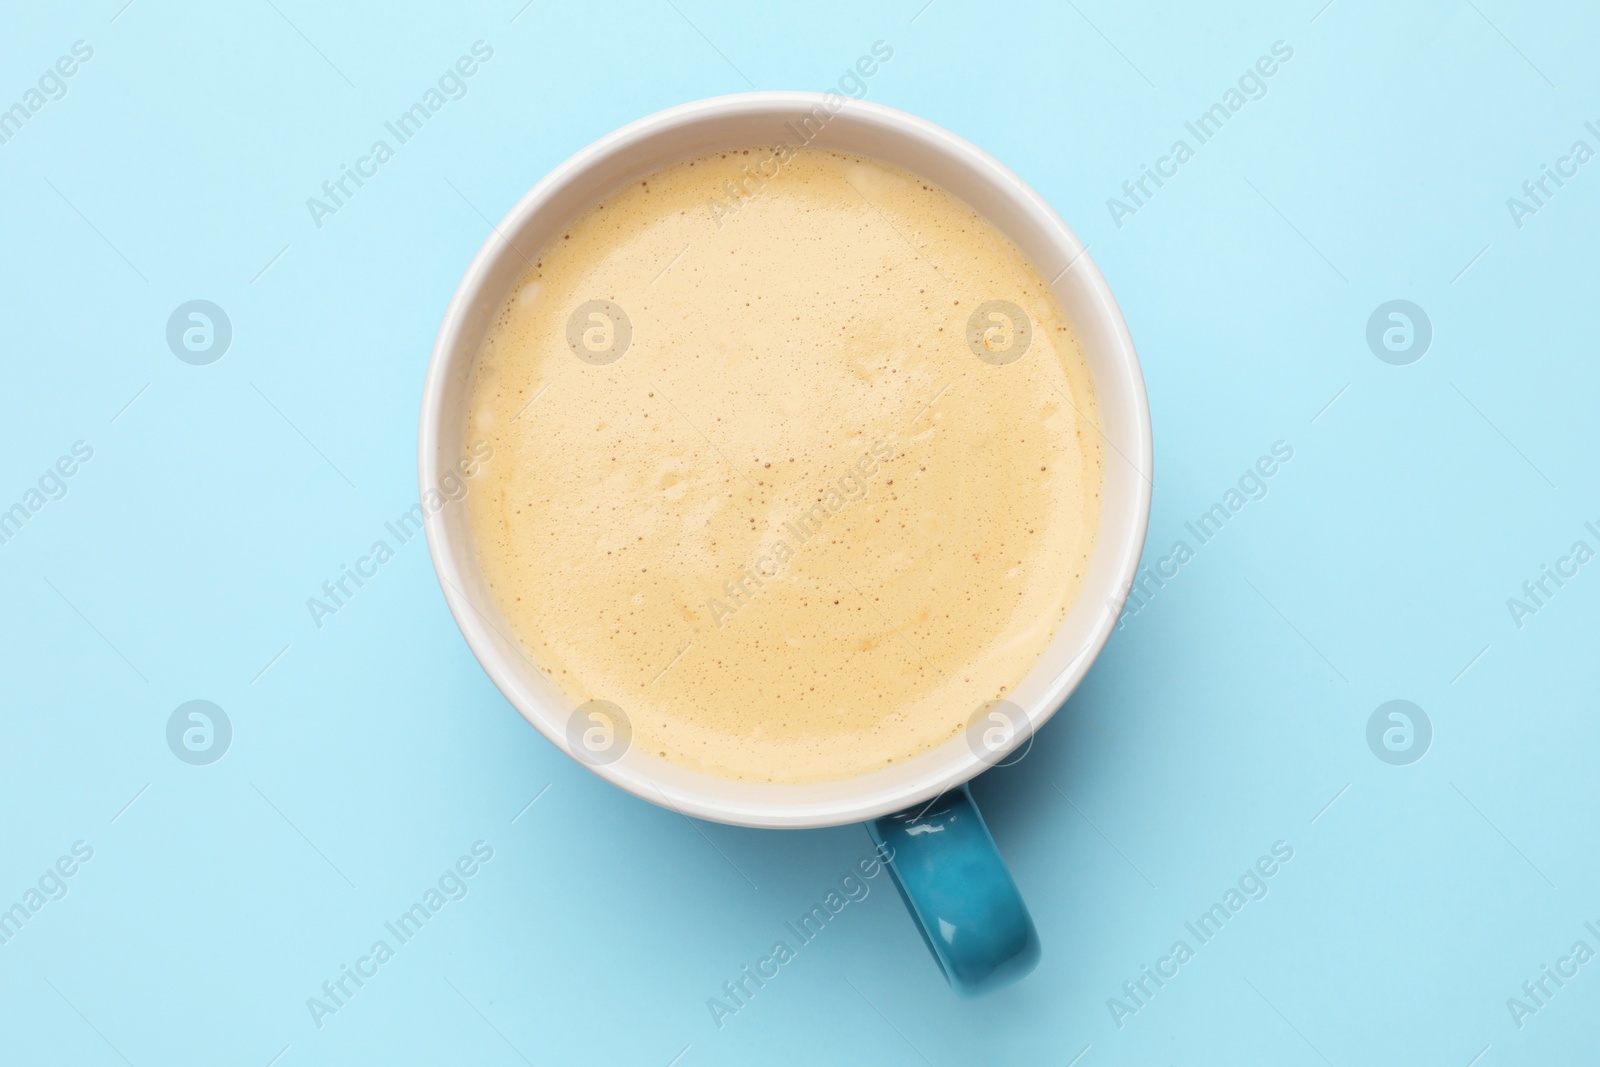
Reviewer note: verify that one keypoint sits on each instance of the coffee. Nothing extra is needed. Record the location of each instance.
(795, 463)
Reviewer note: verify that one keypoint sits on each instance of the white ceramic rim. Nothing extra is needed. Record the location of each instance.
(917, 145)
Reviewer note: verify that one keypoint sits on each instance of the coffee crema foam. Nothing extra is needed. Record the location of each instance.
(758, 489)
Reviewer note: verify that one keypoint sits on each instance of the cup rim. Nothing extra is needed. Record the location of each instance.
(448, 349)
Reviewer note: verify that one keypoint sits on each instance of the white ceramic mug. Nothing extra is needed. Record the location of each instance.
(829, 121)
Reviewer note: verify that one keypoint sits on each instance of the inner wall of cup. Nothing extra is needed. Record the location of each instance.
(923, 150)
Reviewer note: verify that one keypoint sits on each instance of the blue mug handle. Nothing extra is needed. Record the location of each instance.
(959, 892)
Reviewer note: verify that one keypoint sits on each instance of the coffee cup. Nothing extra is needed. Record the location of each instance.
(919, 810)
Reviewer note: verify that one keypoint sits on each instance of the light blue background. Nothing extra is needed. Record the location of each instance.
(1221, 719)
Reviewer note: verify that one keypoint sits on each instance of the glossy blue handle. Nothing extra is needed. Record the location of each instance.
(960, 894)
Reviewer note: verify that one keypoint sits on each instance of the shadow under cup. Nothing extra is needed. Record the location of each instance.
(965, 870)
